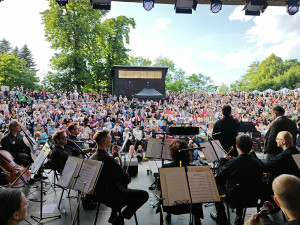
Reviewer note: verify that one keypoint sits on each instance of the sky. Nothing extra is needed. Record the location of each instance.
(220, 45)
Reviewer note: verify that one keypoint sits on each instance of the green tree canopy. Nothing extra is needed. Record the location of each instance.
(5, 46)
(87, 46)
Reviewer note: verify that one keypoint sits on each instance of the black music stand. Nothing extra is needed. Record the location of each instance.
(40, 218)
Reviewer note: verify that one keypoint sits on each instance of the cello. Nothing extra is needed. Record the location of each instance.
(18, 175)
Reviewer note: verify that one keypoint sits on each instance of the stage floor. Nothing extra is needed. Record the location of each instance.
(146, 215)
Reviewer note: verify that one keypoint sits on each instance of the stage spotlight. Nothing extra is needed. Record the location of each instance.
(101, 4)
(292, 7)
(254, 7)
(148, 4)
(215, 6)
(62, 2)
(185, 6)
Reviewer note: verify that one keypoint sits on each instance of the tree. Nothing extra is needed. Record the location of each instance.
(166, 62)
(26, 55)
(86, 47)
(5, 46)
(139, 61)
(201, 83)
(223, 88)
(13, 72)
(16, 51)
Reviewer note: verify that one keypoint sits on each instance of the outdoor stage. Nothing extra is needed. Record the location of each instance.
(146, 215)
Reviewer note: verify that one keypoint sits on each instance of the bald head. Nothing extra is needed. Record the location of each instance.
(287, 137)
(287, 191)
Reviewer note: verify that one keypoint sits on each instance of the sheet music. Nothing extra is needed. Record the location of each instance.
(41, 158)
(177, 188)
(201, 186)
(209, 153)
(86, 175)
(76, 170)
(297, 159)
(67, 174)
(154, 148)
(166, 151)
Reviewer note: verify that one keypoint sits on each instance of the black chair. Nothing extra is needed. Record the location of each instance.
(242, 200)
(107, 194)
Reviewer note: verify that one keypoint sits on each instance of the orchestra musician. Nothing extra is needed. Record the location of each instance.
(280, 123)
(111, 188)
(185, 157)
(287, 196)
(13, 207)
(11, 143)
(73, 132)
(62, 151)
(243, 172)
(283, 163)
(226, 129)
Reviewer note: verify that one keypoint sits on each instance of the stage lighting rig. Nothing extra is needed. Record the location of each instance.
(101, 4)
(254, 7)
(185, 6)
(215, 6)
(61, 2)
(292, 7)
(148, 4)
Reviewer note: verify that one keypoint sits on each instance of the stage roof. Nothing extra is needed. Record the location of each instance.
(224, 2)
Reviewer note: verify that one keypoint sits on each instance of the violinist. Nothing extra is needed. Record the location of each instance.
(11, 143)
(287, 196)
(111, 188)
(73, 129)
(243, 172)
(62, 151)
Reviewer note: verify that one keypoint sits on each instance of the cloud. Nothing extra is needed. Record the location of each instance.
(211, 55)
(160, 24)
(239, 14)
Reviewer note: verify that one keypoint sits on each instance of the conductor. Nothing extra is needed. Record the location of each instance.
(111, 188)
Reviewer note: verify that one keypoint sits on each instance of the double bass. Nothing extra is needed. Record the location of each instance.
(18, 175)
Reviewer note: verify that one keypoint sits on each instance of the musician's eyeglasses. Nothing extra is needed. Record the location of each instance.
(26, 204)
(64, 138)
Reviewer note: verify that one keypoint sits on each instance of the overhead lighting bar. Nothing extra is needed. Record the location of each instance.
(292, 7)
(148, 4)
(215, 6)
(254, 7)
(61, 2)
(101, 4)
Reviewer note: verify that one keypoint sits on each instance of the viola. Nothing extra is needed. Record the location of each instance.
(268, 208)
(31, 144)
(18, 175)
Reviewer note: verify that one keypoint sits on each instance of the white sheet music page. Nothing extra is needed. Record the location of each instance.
(67, 174)
(202, 187)
(154, 148)
(177, 187)
(86, 175)
(297, 159)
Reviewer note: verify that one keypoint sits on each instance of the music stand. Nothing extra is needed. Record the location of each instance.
(39, 163)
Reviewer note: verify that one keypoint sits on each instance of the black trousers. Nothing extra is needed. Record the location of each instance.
(131, 199)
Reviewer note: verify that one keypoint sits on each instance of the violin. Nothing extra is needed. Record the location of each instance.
(267, 209)
(18, 175)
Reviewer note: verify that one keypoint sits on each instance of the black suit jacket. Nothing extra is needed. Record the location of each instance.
(112, 177)
(243, 172)
(229, 128)
(282, 163)
(282, 123)
(294, 222)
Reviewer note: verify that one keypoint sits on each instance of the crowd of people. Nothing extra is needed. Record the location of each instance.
(42, 113)
(108, 120)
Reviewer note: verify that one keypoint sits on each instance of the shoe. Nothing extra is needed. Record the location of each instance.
(222, 220)
(113, 215)
(31, 181)
(87, 203)
(118, 221)
(238, 221)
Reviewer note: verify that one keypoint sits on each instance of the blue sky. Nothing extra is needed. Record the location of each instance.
(220, 45)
